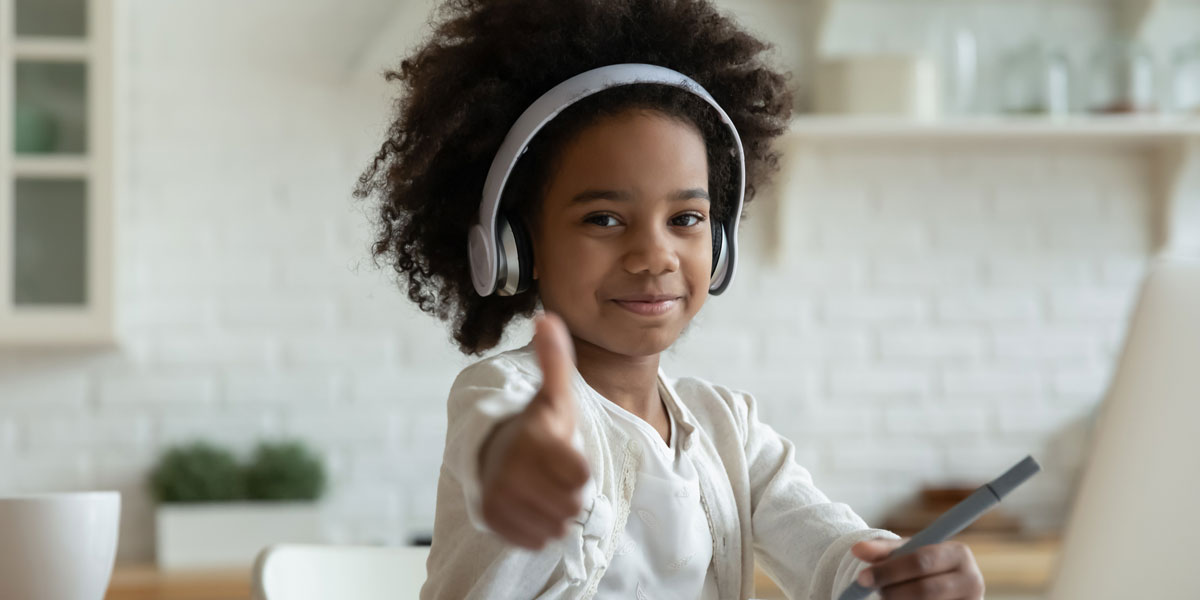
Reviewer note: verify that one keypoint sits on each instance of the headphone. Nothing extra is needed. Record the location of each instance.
(501, 250)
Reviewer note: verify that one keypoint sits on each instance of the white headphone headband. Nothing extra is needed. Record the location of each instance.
(483, 238)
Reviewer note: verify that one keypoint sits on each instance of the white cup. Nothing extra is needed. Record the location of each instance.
(58, 546)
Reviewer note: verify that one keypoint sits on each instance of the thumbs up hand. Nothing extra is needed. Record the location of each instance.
(530, 473)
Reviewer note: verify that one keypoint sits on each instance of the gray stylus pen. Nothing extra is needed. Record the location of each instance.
(958, 518)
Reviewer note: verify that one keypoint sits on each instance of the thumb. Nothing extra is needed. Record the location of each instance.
(877, 549)
(552, 342)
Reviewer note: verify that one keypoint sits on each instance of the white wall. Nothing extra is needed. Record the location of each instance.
(941, 311)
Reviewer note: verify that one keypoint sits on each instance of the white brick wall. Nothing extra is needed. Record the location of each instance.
(939, 312)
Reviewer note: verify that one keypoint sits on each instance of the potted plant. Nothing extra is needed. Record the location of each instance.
(215, 512)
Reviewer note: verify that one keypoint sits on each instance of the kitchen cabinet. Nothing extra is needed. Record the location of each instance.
(56, 165)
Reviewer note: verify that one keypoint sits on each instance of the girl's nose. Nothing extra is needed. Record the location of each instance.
(650, 251)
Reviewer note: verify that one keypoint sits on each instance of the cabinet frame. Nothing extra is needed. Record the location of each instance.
(62, 325)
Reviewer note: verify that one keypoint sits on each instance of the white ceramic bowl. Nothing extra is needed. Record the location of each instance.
(58, 546)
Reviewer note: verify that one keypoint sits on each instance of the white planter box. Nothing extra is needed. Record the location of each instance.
(230, 534)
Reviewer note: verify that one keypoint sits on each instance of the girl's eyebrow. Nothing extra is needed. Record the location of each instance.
(590, 195)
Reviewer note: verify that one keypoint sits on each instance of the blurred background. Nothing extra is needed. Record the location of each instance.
(938, 284)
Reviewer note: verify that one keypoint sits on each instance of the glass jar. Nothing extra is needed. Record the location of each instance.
(1185, 79)
(1121, 78)
(1037, 80)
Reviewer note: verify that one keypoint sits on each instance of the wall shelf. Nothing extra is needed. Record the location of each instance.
(1171, 143)
(1138, 130)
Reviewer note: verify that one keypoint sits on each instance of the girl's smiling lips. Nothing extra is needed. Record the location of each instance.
(648, 304)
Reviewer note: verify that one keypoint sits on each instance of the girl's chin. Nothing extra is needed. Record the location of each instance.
(639, 339)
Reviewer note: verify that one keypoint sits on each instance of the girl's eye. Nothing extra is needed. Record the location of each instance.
(699, 218)
(600, 219)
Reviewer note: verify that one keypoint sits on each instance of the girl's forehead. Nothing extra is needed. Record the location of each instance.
(638, 147)
(646, 120)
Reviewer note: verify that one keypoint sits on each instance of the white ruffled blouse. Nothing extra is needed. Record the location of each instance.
(666, 548)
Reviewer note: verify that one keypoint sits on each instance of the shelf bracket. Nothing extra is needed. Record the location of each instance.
(797, 177)
(1180, 213)
(1133, 16)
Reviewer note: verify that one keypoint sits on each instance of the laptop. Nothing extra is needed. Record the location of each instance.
(1133, 530)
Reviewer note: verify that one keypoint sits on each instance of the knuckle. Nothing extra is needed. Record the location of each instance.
(926, 559)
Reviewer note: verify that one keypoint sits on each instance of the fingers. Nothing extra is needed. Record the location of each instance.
(531, 512)
(555, 504)
(945, 586)
(518, 526)
(536, 492)
(877, 549)
(924, 563)
(567, 467)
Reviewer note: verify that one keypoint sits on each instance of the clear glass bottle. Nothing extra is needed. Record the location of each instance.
(958, 50)
(1185, 79)
(1122, 78)
(1037, 79)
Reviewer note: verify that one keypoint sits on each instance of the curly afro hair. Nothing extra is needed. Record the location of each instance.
(484, 64)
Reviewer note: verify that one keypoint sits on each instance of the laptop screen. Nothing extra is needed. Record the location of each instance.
(1135, 519)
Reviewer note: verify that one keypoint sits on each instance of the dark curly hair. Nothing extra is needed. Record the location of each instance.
(484, 64)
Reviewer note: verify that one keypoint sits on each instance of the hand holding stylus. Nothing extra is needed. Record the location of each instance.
(938, 571)
(927, 565)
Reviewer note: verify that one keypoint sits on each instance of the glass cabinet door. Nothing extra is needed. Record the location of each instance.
(50, 242)
(50, 108)
(56, 238)
(51, 18)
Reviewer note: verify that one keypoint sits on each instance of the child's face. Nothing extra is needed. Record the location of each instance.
(640, 228)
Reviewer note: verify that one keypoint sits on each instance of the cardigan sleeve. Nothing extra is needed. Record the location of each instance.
(483, 395)
(802, 539)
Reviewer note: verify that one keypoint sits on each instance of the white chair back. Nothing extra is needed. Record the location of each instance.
(316, 572)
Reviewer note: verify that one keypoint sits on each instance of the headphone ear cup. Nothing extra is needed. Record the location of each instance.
(718, 240)
(523, 262)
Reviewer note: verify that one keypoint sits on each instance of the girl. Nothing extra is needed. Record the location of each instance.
(590, 158)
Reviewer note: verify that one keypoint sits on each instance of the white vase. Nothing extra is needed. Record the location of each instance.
(217, 535)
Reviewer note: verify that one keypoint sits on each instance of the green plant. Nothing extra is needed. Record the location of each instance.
(197, 472)
(285, 470)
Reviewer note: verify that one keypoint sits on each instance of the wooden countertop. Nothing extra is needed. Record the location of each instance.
(146, 582)
(1008, 566)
